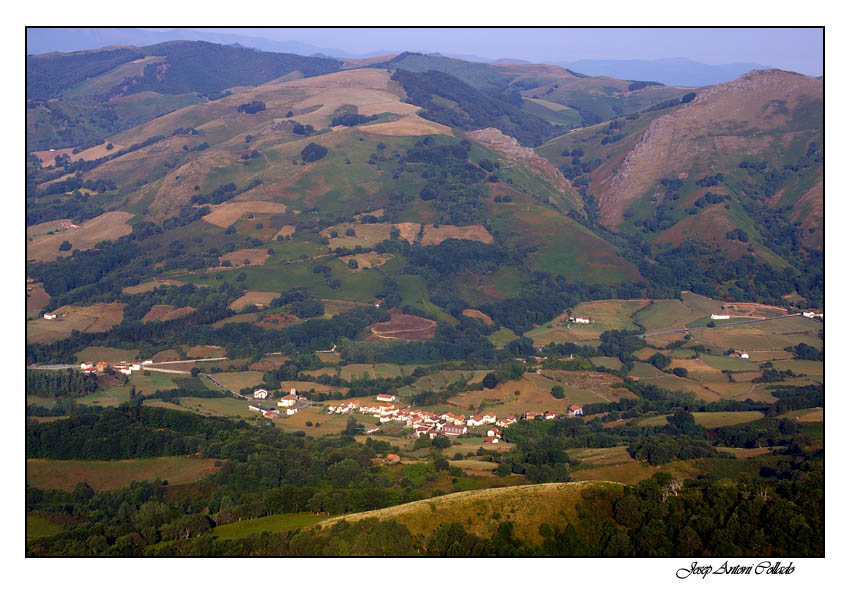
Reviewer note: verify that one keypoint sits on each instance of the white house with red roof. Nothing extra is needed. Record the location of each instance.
(575, 410)
(492, 440)
(260, 394)
(506, 421)
(385, 398)
(494, 432)
(475, 421)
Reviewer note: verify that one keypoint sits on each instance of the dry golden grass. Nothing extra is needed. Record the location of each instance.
(45, 247)
(90, 319)
(433, 235)
(37, 299)
(694, 365)
(476, 468)
(367, 89)
(205, 351)
(285, 231)
(225, 215)
(250, 298)
(166, 312)
(114, 474)
(410, 124)
(477, 314)
(408, 231)
(336, 307)
(255, 256)
(526, 506)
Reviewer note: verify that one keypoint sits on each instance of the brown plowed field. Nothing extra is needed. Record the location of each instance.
(166, 312)
(225, 215)
(477, 314)
(403, 327)
(432, 235)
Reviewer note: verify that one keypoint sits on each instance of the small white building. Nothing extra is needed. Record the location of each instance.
(575, 410)
(290, 399)
(147, 362)
(744, 355)
(583, 320)
(291, 411)
(720, 317)
(385, 398)
(260, 394)
(87, 365)
(49, 316)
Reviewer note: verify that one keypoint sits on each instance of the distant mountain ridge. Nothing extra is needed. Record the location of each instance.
(669, 71)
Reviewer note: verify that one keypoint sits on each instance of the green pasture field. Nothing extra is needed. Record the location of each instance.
(727, 363)
(37, 527)
(704, 321)
(358, 286)
(502, 337)
(662, 315)
(644, 370)
(413, 291)
(217, 407)
(147, 384)
(812, 369)
(671, 382)
(352, 371)
(719, 382)
(113, 396)
(271, 524)
(328, 423)
(604, 315)
(609, 362)
(239, 379)
(701, 304)
(709, 419)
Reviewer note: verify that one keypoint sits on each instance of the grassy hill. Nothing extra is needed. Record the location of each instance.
(481, 511)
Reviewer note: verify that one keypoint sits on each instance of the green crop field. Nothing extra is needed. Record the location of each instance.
(662, 315)
(727, 363)
(609, 362)
(709, 419)
(644, 370)
(701, 304)
(112, 396)
(38, 527)
(239, 379)
(271, 524)
(502, 337)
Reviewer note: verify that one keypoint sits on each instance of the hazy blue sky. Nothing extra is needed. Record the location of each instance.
(798, 49)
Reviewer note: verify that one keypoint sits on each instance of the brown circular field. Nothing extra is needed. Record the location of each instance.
(403, 327)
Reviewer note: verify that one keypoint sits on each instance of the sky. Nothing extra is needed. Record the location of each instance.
(794, 49)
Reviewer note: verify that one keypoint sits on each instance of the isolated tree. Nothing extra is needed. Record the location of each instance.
(490, 381)
(441, 442)
(64, 246)
(558, 391)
